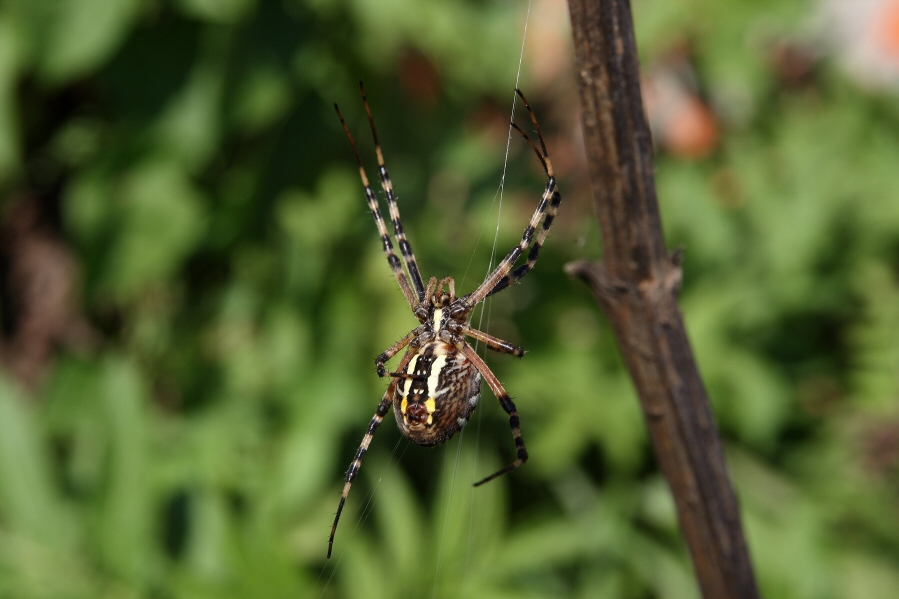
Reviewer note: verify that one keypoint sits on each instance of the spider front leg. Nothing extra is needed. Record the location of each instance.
(534, 254)
(356, 464)
(387, 185)
(502, 276)
(508, 406)
(551, 212)
(412, 296)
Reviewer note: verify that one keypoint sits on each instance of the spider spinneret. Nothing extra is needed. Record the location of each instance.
(437, 384)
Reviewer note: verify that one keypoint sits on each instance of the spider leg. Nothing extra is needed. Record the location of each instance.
(351, 474)
(501, 278)
(405, 247)
(502, 270)
(507, 404)
(395, 263)
(381, 361)
(525, 268)
(493, 343)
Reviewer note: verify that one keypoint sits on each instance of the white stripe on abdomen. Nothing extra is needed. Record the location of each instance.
(434, 378)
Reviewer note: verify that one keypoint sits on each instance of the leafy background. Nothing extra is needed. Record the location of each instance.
(193, 294)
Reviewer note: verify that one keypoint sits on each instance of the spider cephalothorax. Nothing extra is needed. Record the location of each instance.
(437, 384)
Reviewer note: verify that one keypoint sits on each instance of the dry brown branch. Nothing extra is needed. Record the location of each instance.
(637, 285)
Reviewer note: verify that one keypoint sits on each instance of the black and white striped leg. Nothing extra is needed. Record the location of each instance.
(351, 474)
(542, 155)
(387, 184)
(548, 206)
(512, 257)
(524, 269)
(508, 406)
(411, 296)
(493, 343)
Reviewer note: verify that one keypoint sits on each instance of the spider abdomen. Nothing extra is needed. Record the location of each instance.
(436, 400)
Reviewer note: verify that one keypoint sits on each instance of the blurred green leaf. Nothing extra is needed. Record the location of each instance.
(125, 518)
(265, 97)
(83, 34)
(31, 507)
(9, 70)
(162, 218)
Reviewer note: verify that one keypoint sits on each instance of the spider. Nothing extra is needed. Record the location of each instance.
(436, 386)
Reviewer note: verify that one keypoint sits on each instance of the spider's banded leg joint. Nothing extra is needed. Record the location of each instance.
(460, 309)
(520, 449)
(550, 206)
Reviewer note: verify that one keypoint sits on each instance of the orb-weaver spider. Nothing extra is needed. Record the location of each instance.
(437, 383)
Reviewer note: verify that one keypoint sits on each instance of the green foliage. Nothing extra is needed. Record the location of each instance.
(237, 295)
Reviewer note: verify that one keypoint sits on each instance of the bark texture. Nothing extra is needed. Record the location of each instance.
(637, 284)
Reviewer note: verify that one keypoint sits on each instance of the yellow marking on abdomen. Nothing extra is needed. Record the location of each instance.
(431, 405)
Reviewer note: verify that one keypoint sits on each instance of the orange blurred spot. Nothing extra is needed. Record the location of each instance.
(888, 28)
(692, 130)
